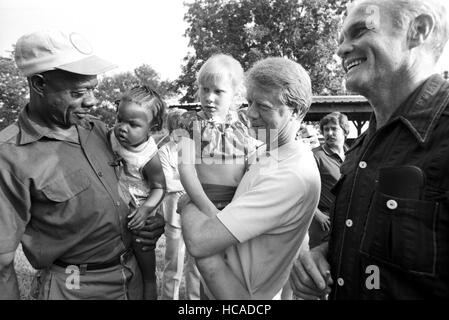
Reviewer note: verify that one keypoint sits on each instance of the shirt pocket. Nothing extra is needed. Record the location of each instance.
(402, 233)
(67, 187)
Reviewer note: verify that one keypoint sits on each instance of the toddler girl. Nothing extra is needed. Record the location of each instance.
(142, 181)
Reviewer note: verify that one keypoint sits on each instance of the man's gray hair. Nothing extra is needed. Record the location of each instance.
(404, 11)
(287, 76)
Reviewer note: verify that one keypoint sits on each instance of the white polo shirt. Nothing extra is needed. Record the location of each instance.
(269, 215)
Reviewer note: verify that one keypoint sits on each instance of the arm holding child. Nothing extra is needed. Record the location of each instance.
(220, 279)
(155, 178)
(204, 236)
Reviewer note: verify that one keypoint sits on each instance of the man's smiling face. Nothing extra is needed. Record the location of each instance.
(372, 48)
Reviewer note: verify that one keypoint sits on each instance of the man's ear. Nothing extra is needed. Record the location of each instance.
(420, 29)
(37, 83)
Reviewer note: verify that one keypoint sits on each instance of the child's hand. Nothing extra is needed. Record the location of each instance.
(138, 217)
(183, 201)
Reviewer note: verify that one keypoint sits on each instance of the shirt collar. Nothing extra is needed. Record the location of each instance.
(422, 110)
(230, 117)
(32, 131)
(330, 153)
(284, 151)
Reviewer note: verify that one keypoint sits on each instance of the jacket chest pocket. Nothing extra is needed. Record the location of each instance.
(66, 187)
(402, 233)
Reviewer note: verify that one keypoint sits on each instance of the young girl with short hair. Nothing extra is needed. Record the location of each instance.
(140, 112)
(213, 156)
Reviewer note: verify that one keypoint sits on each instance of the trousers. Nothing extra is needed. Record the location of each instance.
(175, 254)
(120, 282)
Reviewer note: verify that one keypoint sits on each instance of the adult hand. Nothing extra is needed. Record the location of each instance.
(310, 276)
(323, 220)
(183, 201)
(148, 235)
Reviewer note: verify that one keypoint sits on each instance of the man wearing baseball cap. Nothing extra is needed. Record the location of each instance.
(58, 181)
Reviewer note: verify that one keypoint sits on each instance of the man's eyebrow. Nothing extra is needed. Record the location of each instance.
(87, 85)
(354, 26)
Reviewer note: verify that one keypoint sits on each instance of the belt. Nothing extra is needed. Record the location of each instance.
(97, 266)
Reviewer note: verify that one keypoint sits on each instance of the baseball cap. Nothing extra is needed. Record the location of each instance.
(52, 49)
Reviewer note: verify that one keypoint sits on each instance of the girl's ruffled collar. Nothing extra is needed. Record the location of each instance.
(230, 117)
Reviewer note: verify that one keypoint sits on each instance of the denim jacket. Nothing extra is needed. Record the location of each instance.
(390, 236)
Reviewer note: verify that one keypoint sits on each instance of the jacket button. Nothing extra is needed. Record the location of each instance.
(100, 174)
(392, 204)
(349, 223)
(362, 164)
(340, 282)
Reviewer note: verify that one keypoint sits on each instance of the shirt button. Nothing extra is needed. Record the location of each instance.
(362, 164)
(349, 223)
(117, 203)
(391, 204)
(340, 282)
(100, 174)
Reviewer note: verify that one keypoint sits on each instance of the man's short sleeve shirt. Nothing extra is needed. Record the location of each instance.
(269, 215)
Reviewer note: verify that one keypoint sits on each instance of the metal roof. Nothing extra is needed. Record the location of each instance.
(339, 99)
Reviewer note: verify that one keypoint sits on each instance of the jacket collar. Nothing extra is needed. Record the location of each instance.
(422, 110)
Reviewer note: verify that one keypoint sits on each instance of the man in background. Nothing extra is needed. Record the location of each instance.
(329, 157)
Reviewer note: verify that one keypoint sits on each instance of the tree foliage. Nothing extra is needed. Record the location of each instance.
(13, 92)
(110, 88)
(302, 30)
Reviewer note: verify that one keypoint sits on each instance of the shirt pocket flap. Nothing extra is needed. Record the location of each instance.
(67, 187)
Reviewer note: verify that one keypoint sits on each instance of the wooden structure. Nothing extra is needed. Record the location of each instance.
(355, 107)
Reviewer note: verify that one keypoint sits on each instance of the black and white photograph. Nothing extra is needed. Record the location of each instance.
(209, 151)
